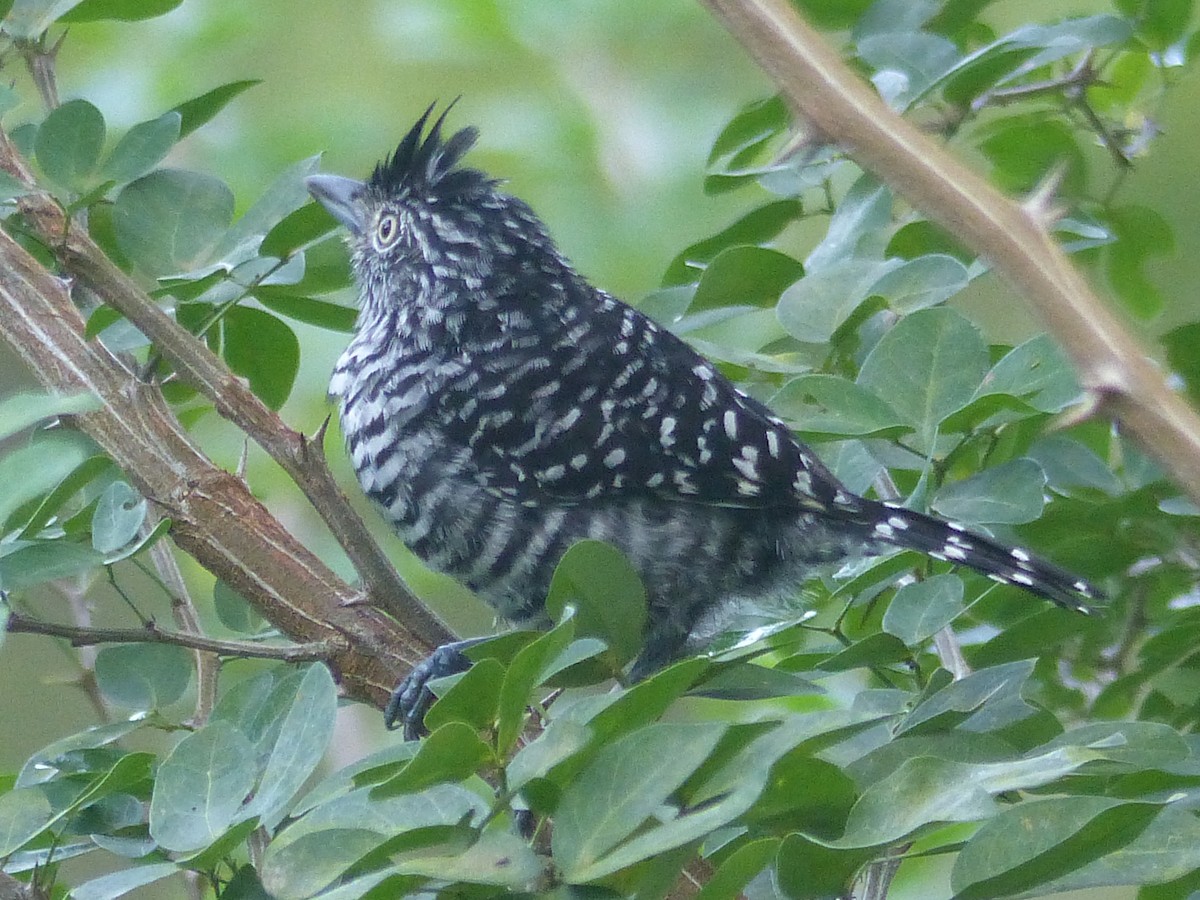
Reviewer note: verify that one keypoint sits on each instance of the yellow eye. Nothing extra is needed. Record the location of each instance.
(386, 231)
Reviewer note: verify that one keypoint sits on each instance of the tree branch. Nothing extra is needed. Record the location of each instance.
(302, 458)
(152, 634)
(214, 516)
(1013, 237)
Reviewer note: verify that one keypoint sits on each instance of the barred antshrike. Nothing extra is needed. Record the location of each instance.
(499, 408)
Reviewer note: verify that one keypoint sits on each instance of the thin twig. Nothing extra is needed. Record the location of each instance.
(152, 634)
(40, 60)
(183, 610)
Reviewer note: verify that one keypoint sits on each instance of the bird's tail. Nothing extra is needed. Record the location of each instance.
(953, 543)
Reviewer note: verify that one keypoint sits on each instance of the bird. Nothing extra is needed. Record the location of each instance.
(498, 408)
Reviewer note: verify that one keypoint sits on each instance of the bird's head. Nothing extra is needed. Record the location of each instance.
(422, 221)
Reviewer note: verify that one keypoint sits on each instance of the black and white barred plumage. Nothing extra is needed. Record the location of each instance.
(499, 408)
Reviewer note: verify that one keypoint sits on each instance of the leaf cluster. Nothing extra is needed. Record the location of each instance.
(1046, 753)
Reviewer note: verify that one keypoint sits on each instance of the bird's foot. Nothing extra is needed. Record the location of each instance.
(412, 697)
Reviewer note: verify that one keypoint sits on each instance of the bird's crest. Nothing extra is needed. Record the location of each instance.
(425, 162)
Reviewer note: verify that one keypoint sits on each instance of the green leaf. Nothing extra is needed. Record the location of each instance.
(806, 870)
(754, 228)
(169, 221)
(130, 773)
(922, 282)
(299, 227)
(607, 593)
(626, 783)
(28, 563)
(967, 696)
(752, 125)
(474, 699)
(37, 467)
(1037, 371)
(24, 814)
(143, 676)
(1025, 48)
(453, 752)
(201, 787)
(848, 409)
(27, 19)
(857, 228)
(120, 883)
(12, 187)
(1181, 345)
(1167, 849)
(285, 195)
(264, 350)
(1070, 465)
(19, 411)
(44, 765)
(326, 268)
(144, 542)
(1007, 494)
(526, 670)
(69, 143)
(141, 148)
(753, 682)
(195, 112)
(922, 609)
(1025, 149)
(234, 611)
(1130, 745)
(310, 853)
(496, 858)
(816, 306)
(561, 740)
(648, 699)
(1142, 234)
(301, 742)
(255, 706)
(739, 869)
(728, 794)
(745, 276)
(1030, 844)
(925, 790)
(1158, 23)
(118, 517)
(322, 313)
(913, 61)
(875, 650)
(928, 366)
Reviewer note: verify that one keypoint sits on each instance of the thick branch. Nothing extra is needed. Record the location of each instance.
(1110, 362)
(214, 516)
(152, 634)
(299, 456)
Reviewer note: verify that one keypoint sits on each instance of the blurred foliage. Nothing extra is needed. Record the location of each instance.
(813, 738)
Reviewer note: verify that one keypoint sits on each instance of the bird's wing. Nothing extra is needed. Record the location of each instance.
(613, 404)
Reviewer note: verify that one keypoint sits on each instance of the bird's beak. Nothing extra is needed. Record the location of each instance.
(341, 196)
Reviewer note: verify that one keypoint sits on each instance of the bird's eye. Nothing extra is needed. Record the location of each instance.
(386, 231)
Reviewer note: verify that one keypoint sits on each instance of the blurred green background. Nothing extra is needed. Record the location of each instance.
(599, 113)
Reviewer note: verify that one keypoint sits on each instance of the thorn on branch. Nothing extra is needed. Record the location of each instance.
(317, 440)
(362, 598)
(1042, 204)
(1094, 404)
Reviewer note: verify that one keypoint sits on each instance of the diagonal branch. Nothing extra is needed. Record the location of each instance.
(214, 516)
(302, 458)
(1111, 364)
